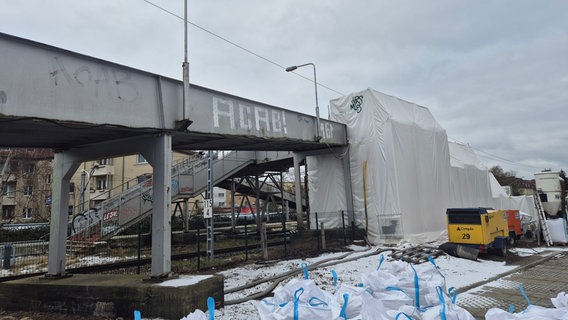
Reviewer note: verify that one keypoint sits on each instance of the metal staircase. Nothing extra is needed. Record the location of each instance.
(189, 178)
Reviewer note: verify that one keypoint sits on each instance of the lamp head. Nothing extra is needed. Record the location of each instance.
(292, 68)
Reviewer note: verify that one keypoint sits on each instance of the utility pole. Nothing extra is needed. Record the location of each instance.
(208, 207)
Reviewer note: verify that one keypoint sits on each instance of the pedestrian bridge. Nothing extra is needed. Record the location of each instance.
(86, 108)
(54, 98)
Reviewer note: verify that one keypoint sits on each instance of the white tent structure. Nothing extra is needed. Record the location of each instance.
(474, 186)
(472, 183)
(399, 167)
(404, 172)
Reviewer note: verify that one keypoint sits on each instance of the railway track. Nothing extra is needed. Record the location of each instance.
(283, 239)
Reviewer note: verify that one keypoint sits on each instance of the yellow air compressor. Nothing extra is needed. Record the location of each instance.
(484, 229)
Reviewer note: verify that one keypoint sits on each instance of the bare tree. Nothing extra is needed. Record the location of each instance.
(26, 185)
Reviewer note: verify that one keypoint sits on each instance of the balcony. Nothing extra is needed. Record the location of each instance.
(8, 200)
(100, 194)
(103, 171)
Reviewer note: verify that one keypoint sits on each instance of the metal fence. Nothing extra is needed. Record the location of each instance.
(20, 258)
(133, 251)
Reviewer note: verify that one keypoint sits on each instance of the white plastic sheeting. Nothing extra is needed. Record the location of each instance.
(406, 179)
(404, 172)
(470, 179)
(474, 186)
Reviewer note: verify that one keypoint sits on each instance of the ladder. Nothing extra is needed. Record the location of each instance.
(542, 220)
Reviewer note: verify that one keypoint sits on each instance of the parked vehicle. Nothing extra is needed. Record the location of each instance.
(481, 228)
(515, 226)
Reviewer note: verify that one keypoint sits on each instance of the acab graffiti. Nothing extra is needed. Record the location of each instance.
(100, 80)
(248, 117)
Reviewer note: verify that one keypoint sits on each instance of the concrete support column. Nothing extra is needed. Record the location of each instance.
(298, 189)
(160, 157)
(64, 166)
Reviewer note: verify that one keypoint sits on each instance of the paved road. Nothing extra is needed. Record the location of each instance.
(542, 276)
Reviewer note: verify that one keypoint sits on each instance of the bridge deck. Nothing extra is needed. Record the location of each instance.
(54, 98)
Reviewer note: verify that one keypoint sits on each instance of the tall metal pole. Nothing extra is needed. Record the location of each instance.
(318, 128)
(209, 199)
(82, 194)
(185, 67)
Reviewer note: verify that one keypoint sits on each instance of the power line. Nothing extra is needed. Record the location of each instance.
(238, 45)
(496, 157)
(306, 78)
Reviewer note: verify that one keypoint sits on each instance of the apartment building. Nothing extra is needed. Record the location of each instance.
(25, 184)
(97, 181)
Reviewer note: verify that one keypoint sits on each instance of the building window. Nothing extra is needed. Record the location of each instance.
(10, 190)
(7, 212)
(72, 187)
(28, 190)
(104, 162)
(27, 213)
(47, 179)
(141, 159)
(29, 168)
(101, 183)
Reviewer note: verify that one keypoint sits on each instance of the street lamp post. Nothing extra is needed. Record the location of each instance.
(292, 68)
(85, 183)
(83, 186)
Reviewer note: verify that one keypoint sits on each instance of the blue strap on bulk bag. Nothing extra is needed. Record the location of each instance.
(403, 314)
(381, 261)
(416, 289)
(305, 270)
(390, 288)
(342, 314)
(211, 307)
(524, 294)
(436, 267)
(334, 275)
(440, 292)
(316, 302)
(297, 295)
(453, 292)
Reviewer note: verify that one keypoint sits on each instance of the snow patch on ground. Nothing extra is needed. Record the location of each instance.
(459, 273)
(183, 281)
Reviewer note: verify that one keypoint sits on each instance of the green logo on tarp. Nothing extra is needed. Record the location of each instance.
(356, 103)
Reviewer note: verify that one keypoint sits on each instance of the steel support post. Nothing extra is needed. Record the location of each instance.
(209, 221)
(161, 161)
(64, 166)
(298, 189)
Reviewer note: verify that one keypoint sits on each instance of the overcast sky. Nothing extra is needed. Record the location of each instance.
(493, 73)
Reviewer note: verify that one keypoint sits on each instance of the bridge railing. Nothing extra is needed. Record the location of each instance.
(126, 208)
(90, 224)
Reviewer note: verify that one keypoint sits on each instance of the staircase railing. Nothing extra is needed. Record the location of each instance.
(130, 206)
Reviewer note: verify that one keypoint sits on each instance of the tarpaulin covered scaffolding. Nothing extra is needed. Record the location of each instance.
(404, 172)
